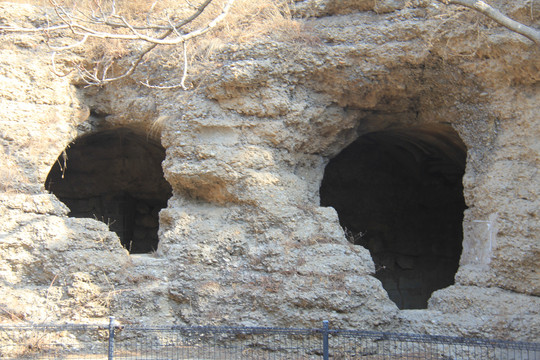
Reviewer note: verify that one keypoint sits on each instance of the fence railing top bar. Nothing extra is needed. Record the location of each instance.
(222, 329)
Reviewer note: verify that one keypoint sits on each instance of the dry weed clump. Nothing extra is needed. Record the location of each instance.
(252, 19)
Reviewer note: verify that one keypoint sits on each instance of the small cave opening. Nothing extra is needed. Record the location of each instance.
(114, 176)
(399, 193)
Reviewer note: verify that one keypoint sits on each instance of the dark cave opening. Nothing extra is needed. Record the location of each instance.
(399, 193)
(114, 176)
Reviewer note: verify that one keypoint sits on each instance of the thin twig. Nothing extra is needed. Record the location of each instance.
(56, 72)
(10, 28)
(160, 87)
(184, 75)
(67, 47)
(182, 84)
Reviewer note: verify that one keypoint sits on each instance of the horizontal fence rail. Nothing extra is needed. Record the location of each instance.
(113, 341)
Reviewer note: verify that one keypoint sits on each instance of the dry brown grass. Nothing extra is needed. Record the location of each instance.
(251, 19)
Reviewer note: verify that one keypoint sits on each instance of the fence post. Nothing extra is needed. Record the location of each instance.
(325, 339)
(111, 338)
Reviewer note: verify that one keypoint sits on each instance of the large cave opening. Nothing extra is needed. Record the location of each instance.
(115, 176)
(399, 193)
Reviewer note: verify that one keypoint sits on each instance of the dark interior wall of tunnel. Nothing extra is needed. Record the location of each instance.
(400, 195)
(114, 176)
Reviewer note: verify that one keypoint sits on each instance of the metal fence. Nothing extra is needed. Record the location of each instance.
(174, 342)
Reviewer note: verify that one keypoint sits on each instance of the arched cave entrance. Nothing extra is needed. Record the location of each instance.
(114, 176)
(399, 193)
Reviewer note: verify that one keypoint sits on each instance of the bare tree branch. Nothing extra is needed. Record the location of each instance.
(72, 46)
(54, 70)
(111, 25)
(11, 28)
(82, 30)
(184, 75)
(500, 18)
(182, 81)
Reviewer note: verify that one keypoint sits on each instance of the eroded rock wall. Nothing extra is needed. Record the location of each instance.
(244, 239)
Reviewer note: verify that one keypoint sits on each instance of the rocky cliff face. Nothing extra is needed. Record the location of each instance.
(448, 98)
